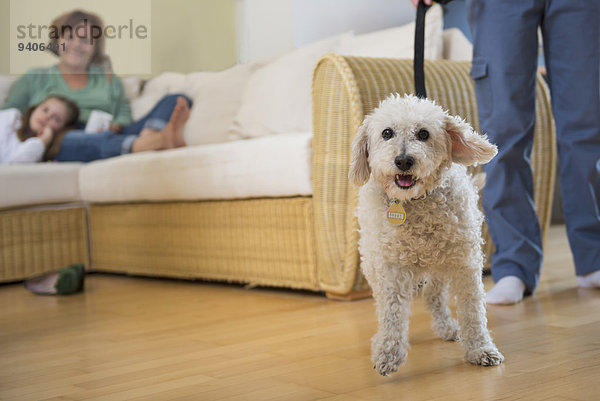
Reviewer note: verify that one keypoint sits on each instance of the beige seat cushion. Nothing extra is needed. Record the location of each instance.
(273, 166)
(38, 183)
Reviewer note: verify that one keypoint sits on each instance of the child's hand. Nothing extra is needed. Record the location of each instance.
(46, 135)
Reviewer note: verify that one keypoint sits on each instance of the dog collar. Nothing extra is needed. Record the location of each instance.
(425, 195)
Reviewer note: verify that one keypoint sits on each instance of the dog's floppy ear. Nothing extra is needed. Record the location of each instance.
(468, 147)
(359, 163)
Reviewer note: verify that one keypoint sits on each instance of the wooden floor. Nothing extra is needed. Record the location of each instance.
(132, 338)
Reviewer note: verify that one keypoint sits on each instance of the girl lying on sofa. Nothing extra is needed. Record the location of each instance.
(27, 138)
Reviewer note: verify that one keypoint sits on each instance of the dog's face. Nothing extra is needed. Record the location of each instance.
(407, 143)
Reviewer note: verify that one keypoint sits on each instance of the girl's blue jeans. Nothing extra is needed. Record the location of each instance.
(77, 145)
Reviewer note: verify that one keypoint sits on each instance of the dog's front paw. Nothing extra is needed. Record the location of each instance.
(388, 357)
(386, 364)
(485, 356)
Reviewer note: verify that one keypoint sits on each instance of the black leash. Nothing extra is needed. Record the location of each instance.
(418, 61)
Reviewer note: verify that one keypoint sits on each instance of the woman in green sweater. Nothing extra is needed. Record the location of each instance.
(84, 76)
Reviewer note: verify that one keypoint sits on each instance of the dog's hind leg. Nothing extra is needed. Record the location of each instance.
(436, 297)
(474, 335)
(389, 346)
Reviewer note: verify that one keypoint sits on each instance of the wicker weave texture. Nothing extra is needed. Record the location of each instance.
(337, 114)
(262, 242)
(345, 89)
(35, 241)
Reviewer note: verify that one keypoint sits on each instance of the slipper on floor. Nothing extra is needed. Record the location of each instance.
(65, 281)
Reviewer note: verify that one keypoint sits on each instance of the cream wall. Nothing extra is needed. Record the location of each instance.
(264, 28)
(193, 35)
(185, 35)
(4, 36)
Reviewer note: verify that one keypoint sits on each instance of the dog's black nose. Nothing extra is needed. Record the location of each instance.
(404, 163)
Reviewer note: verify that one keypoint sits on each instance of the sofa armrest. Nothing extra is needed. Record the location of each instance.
(337, 113)
(345, 89)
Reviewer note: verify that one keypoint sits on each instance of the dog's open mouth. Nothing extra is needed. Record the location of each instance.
(405, 181)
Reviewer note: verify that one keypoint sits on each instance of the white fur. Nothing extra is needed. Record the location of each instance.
(440, 241)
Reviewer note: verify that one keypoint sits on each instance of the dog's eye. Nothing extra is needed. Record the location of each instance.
(423, 135)
(387, 134)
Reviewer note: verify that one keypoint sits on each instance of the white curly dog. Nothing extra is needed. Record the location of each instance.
(420, 224)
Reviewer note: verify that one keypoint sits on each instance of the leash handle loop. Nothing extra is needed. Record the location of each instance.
(418, 61)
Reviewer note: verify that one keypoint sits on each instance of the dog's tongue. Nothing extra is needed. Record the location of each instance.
(404, 180)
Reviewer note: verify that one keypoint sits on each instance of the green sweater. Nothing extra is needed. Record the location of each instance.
(98, 94)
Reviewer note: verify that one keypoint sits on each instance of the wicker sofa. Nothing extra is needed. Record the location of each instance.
(303, 242)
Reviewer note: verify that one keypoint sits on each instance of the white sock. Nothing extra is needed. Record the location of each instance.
(507, 291)
(591, 280)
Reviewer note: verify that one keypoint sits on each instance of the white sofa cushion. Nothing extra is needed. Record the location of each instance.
(217, 99)
(398, 42)
(277, 97)
(132, 86)
(456, 45)
(38, 183)
(272, 166)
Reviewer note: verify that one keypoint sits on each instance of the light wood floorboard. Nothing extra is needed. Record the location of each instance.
(129, 338)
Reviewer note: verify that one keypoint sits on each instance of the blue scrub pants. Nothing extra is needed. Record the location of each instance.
(77, 145)
(505, 57)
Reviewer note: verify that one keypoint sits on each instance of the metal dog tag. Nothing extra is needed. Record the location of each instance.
(396, 214)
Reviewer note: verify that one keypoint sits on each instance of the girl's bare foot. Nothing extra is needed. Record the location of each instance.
(174, 128)
(170, 137)
(149, 139)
